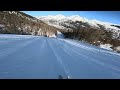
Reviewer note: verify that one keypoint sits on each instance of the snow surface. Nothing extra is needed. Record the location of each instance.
(117, 48)
(36, 57)
(53, 35)
(106, 46)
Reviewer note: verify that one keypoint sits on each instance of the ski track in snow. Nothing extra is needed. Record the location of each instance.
(94, 50)
(91, 59)
(23, 56)
(59, 59)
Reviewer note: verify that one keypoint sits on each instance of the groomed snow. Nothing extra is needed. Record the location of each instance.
(36, 57)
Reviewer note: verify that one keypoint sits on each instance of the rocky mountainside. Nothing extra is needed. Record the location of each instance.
(16, 22)
(92, 31)
(74, 22)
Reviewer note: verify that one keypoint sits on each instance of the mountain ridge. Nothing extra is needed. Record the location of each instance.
(92, 22)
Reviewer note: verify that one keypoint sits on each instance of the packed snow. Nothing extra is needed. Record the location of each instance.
(37, 57)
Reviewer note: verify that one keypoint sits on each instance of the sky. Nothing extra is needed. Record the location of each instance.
(106, 16)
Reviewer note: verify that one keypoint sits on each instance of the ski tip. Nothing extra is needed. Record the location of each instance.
(68, 77)
(61, 77)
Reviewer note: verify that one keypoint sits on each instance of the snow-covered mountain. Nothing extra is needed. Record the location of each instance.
(72, 22)
(61, 18)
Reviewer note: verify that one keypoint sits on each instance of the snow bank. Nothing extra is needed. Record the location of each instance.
(53, 35)
(117, 48)
(106, 46)
(59, 34)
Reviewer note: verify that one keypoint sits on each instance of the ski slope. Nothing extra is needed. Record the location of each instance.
(36, 57)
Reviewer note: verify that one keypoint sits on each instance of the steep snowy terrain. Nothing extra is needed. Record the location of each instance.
(26, 56)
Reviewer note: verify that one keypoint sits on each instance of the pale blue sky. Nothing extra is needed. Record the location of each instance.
(107, 16)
